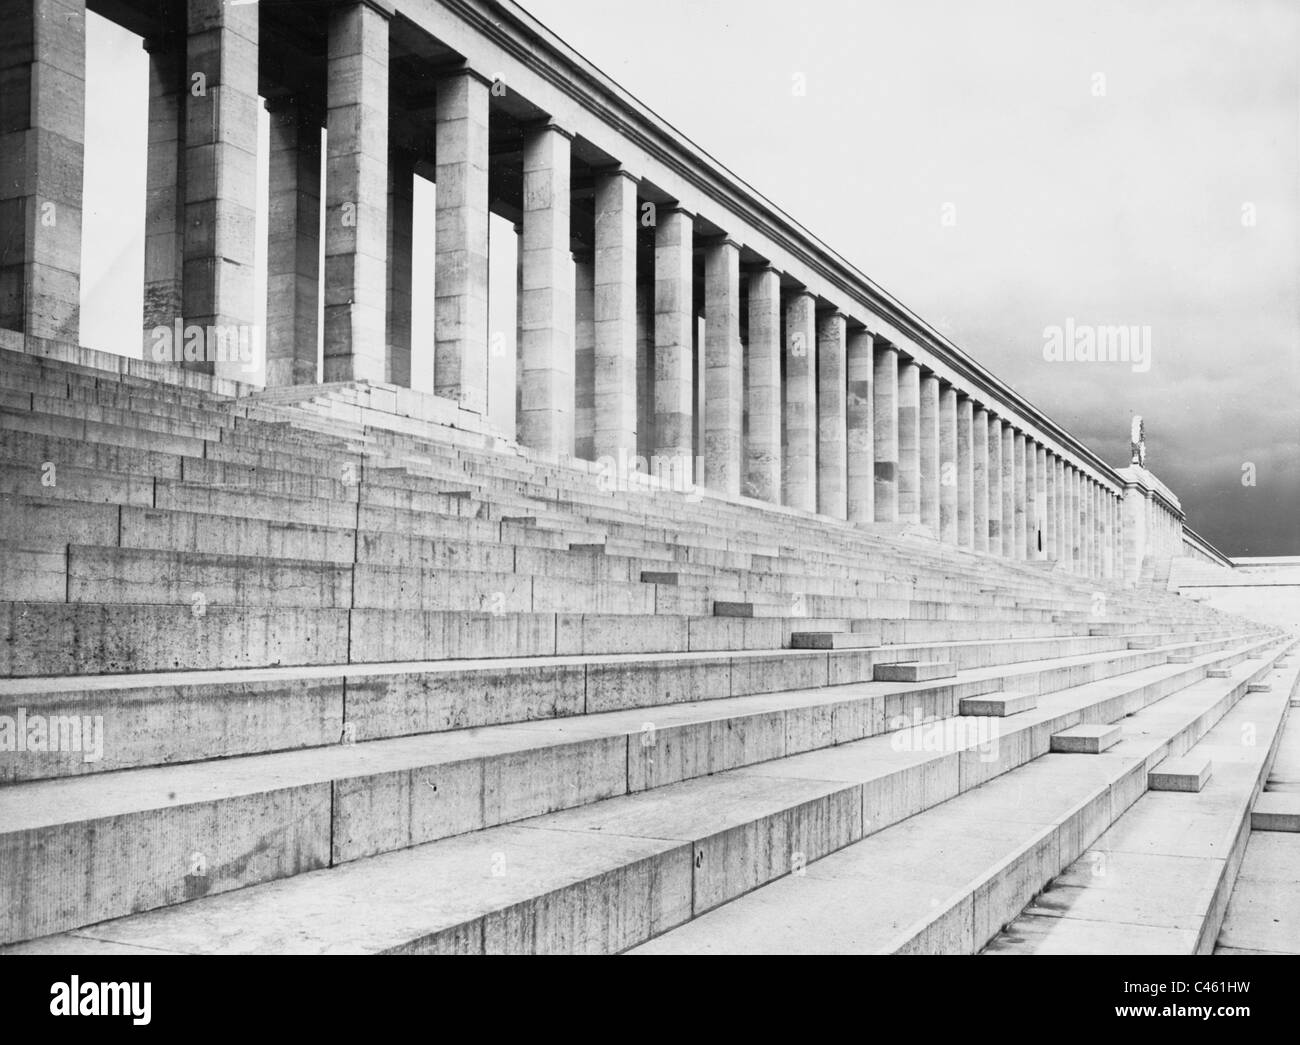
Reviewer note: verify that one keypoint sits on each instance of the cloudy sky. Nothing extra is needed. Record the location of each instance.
(1001, 167)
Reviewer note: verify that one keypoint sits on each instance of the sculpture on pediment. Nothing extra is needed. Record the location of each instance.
(1138, 442)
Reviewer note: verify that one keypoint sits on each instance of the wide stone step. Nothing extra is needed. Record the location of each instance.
(947, 879)
(1159, 879)
(1263, 913)
(244, 711)
(801, 807)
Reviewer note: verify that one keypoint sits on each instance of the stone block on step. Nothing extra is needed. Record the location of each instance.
(998, 705)
(1086, 740)
(913, 671)
(1180, 774)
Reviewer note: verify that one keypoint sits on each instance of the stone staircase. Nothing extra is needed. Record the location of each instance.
(372, 679)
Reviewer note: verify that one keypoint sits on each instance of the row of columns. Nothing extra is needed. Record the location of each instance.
(812, 411)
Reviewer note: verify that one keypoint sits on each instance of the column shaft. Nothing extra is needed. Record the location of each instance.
(42, 141)
(1062, 529)
(460, 259)
(293, 246)
(1049, 493)
(1031, 499)
(1094, 510)
(763, 359)
(1076, 522)
(356, 194)
(832, 424)
(546, 305)
(885, 433)
(860, 426)
(995, 486)
(221, 180)
(615, 305)
(1009, 498)
(1020, 547)
(949, 470)
(928, 439)
(584, 357)
(979, 510)
(674, 342)
(1041, 502)
(401, 263)
(800, 467)
(1112, 541)
(1088, 529)
(724, 376)
(909, 445)
(645, 370)
(164, 218)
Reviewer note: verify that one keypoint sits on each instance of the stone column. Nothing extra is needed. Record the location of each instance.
(1094, 512)
(1061, 517)
(645, 369)
(832, 424)
(909, 442)
(1089, 526)
(1031, 499)
(885, 433)
(356, 194)
(800, 470)
(949, 470)
(1076, 522)
(221, 179)
(1049, 504)
(1085, 508)
(1009, 489)
(546, 307)
(1121, 538)
(293, 244)
(1041, 502)
(763, 358)
(995, 485)
(674, 342)
(1108, 534)
(724, 376)
(1103, 527)
(860, 426)
(42, 144)
(401, 262)
(1020, 546)
(928, 440)
(979, 479)
(460, 260)
(1085, 523)
(1090, 521)
(1116, 539)
(615, 304)
(584, 356)
(164, 229)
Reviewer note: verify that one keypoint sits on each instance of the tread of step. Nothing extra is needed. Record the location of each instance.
(821, 792)
(1158, 880)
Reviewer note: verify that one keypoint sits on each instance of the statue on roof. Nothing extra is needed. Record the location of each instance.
(1138, 442)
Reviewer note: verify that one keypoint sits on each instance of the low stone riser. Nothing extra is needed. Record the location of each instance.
(733, 860)
(961, 919)
(264, 715)
(997, 902)
(1194, 895)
